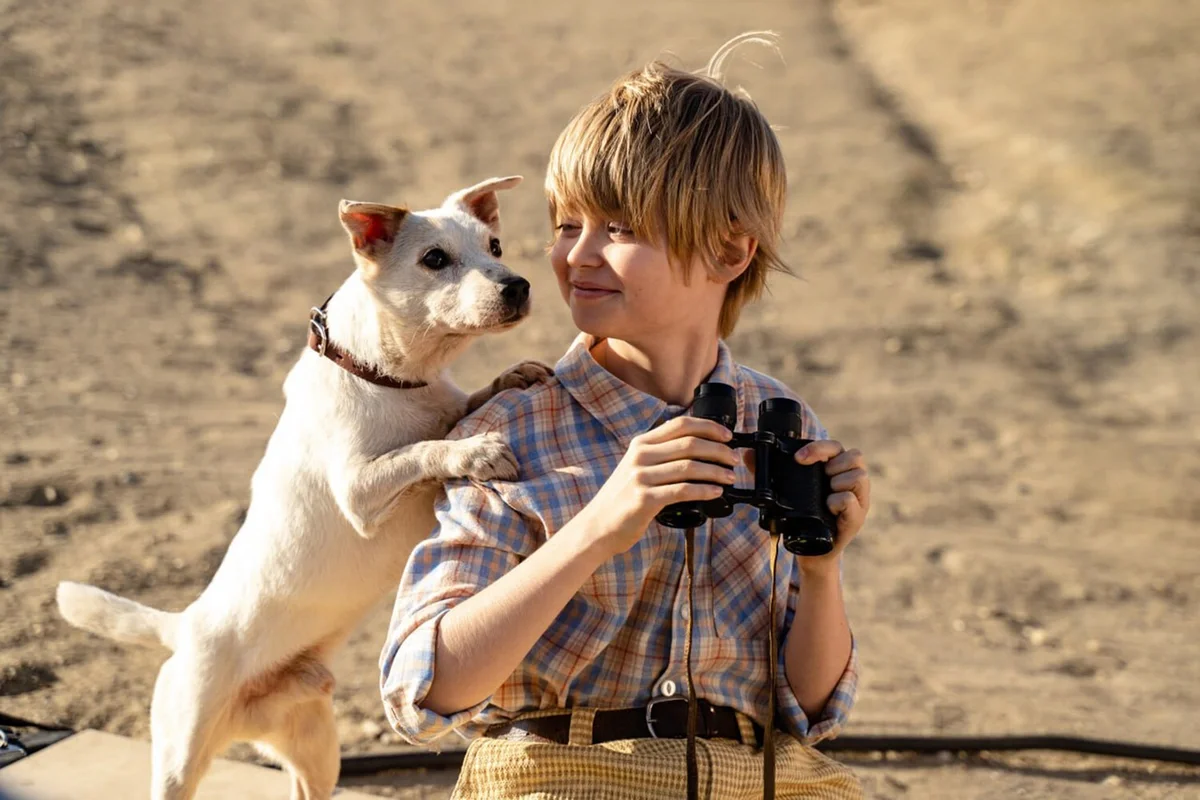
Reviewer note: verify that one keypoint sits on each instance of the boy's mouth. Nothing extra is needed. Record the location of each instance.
(587, 290)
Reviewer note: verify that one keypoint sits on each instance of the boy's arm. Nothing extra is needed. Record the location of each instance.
(818, 655)
(478, 539)
(483, 640)
(819, 660)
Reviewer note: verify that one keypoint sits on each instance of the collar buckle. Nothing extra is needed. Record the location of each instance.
(319, 326)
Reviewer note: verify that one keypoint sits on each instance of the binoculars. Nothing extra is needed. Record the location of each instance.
(792, 499)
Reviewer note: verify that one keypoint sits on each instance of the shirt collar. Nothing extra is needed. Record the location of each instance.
(622, 409)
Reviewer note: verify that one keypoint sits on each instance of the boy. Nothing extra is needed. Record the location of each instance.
(547, 617)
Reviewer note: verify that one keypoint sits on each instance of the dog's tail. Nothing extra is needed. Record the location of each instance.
(115, 617)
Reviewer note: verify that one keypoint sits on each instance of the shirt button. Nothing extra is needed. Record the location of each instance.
(668, 689)
(683, 612)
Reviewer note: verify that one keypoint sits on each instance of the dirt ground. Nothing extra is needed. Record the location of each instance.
(993, 205)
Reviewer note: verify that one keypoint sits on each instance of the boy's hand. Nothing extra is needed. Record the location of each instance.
(851, 497)
(661, 467)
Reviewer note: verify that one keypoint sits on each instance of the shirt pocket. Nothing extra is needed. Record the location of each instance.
(740, 574)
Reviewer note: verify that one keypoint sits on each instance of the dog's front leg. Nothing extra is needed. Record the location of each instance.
(519, 376)
(368, 493)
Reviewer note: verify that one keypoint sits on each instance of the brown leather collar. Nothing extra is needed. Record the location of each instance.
(320, 343)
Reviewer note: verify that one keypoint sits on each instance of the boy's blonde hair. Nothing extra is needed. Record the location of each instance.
(683, 161)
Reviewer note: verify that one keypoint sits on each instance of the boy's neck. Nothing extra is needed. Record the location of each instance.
(669, 370)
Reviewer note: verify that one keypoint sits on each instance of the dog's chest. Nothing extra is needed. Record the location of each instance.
(385, 426)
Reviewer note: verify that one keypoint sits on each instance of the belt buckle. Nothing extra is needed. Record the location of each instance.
(650, 712)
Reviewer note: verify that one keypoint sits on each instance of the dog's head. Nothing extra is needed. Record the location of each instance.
(439, 272)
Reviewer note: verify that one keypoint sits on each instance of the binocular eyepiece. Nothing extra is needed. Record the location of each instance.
(792, 499)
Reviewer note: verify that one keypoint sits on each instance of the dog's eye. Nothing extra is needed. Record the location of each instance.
(496, 251)
(437, 258)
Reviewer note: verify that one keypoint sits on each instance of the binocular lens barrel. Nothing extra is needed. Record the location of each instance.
(780, 416)
(718, 402)
(799, 513)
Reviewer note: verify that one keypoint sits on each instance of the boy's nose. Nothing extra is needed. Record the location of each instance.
(585, 252)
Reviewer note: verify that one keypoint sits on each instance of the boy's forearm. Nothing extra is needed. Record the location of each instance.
(818, 644)
(484, 639)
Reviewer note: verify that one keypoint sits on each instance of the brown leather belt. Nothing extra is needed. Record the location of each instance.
(663, 718)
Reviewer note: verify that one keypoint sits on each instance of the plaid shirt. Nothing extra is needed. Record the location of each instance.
(619, 640)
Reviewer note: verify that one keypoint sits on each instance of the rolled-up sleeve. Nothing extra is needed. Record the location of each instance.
(478, 538)
(837, 709)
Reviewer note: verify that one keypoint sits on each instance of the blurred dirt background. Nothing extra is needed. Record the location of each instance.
(994, 207)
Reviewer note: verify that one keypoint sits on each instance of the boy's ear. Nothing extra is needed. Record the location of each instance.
(736, 254)
(372, 228)
(480, 200)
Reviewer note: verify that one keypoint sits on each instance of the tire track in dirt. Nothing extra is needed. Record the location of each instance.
(919, 199)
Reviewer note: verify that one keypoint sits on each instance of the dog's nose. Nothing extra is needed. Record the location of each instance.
(515, 291)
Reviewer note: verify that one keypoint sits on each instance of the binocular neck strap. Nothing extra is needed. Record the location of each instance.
(772, 676)
(693, 773)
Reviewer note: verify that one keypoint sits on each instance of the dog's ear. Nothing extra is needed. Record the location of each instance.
(480, 200)
(372, 227)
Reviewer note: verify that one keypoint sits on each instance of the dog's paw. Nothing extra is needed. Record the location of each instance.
(522, 376)
(484, 457)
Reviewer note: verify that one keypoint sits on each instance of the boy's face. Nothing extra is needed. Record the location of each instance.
(621, 287)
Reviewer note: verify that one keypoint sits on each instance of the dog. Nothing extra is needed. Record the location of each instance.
(343, 494)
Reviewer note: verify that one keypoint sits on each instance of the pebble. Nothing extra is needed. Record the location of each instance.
(90, 222)
(371, 729)
(950, 560)
(892, 345)
(46, 496)
(1113, 780)
(954, 562)
(133, 234)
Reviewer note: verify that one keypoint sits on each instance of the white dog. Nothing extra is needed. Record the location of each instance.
(343, 494)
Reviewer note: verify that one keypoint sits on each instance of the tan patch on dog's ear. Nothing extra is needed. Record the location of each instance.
(480, 200)
(372, 227)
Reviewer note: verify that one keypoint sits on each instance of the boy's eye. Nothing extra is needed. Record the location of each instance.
(437, 258)
(566, 227)
(619, 229)
(496, 251)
